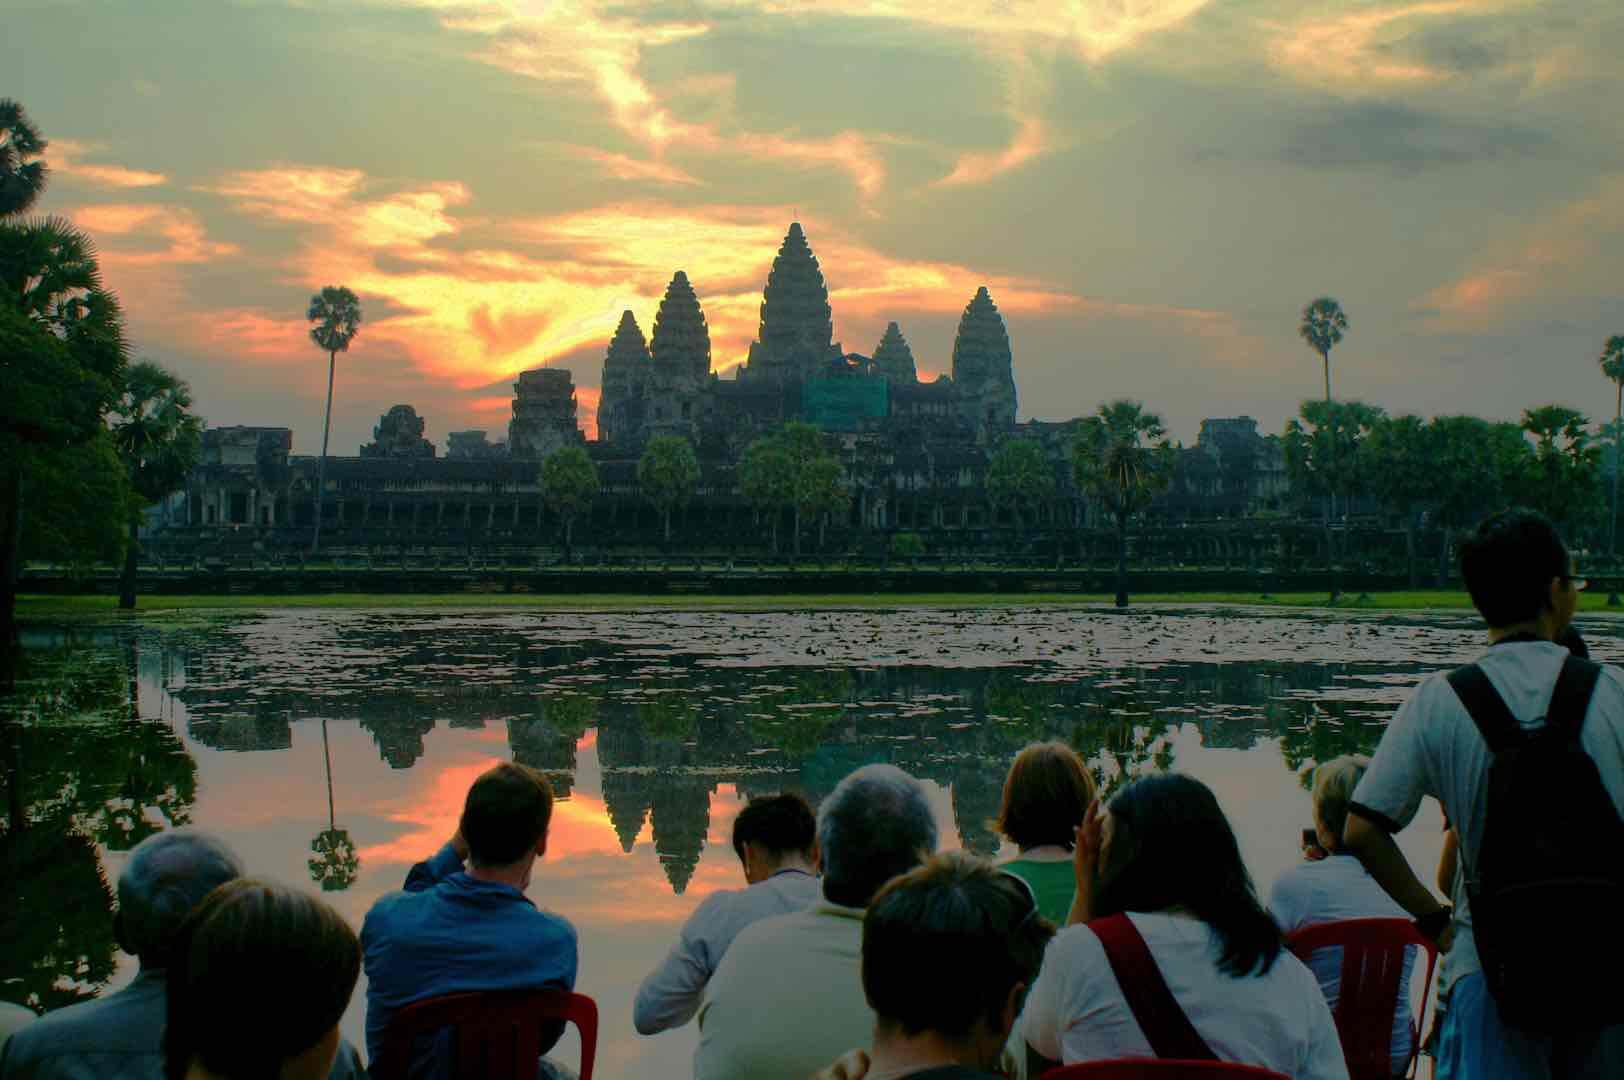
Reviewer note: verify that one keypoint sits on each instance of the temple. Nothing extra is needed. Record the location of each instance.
(915, 452)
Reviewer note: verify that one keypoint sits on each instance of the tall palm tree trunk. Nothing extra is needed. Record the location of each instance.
(1612, 521)
(321, 462)
(11, 542)
(1325, 358)
(1122, 561)
(132, 552)
(797, 530)
(327, 754)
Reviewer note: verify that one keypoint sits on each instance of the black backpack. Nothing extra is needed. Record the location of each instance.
(1547, 886)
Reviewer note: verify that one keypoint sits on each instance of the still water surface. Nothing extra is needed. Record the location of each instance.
(334, 748)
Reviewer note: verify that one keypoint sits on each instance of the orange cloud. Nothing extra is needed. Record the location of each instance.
(65, 157)
(181, 231)
(1556, 254)
(1030, 141)
(624, 167)
(295, 194)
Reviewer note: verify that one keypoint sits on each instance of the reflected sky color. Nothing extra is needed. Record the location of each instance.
(1151, 188)
(655, 727)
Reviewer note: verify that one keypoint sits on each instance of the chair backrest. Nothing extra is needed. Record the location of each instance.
(1160, 1069)
(495, 1035)
(1367, 998)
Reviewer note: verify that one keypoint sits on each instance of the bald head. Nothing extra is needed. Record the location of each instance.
(166, 877)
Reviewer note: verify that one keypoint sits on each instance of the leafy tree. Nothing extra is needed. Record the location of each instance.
(78, 505)
(1323, 325)
(158, 440)
(814, 474)
(335, 315)
(1402, 475)
(1019, 476)
(820, 492)
(1122, 457)
(62, 355)
(668, 474)
(1565, 480)
(1478, 466)
(22, 174)
(767, 478)
(1322, 452)
(569, 483)
(1612, 366)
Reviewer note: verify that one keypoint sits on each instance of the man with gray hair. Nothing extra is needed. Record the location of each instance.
(788, 996)
(120, 1036)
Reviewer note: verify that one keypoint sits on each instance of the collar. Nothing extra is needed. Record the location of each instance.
(1522, 637)
(789, 870)
(838, 911)
(462, 881)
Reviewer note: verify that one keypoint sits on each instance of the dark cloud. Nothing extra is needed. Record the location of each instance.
(1396, 138)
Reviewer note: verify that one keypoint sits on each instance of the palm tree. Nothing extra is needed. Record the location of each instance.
(63, 365)
(1323, 325)
(1122, 457)
(336, 315)
(334, 862)
(22, 174)
(158, 439)
(1612, 366)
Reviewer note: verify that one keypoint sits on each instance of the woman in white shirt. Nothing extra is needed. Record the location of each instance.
(1161, 866)
(1337, 887)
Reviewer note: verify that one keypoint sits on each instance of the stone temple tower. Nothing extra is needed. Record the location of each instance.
(627, 369)
(543, 413)
(680, 352)
(893, 360)
(983, 367)
(797, 324)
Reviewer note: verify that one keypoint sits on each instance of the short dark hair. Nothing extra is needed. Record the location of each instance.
(1171, 846)
(1508, 565)
(944, 944)
(1046, 796)
(781, 824)
(506, 813)
(260, 974)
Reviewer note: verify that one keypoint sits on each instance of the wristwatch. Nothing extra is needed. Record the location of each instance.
(1432, 925)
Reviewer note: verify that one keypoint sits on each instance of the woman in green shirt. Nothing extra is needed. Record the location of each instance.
(1046, 796)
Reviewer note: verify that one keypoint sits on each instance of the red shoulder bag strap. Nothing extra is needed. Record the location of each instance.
(1168, 1030)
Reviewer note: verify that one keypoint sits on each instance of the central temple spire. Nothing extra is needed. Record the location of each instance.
(794, 340)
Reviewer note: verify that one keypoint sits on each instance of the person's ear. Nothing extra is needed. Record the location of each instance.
(1012, 1008)
(817, 858)
(118, 933)
(541, 846)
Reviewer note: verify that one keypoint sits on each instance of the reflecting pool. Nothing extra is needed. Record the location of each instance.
(334, 747)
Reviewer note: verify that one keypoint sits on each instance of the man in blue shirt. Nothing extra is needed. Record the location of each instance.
(454, 930)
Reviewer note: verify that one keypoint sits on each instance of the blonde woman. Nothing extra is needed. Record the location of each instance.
(1337, 887)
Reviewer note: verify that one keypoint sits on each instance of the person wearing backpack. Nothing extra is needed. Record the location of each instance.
(1525, 750)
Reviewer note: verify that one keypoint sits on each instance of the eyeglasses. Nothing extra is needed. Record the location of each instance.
(1579, 584)
(1031, 899)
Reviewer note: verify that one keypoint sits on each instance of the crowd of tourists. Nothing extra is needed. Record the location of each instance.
(1122, 928)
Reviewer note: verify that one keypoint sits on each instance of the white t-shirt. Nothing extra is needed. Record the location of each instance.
(1337, 887)
(1432, 747)
(1277, 1020)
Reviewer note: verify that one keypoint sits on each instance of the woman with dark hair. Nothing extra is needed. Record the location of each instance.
(1046, 795)
(1169, 952)
(258, 980)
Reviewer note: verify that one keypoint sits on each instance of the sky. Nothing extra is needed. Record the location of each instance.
(1151, 190)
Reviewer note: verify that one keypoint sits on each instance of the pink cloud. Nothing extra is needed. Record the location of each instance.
(1030, 142)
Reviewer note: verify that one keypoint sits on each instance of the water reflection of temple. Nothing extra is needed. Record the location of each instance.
(669, 735)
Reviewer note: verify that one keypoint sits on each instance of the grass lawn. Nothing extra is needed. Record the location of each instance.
(58, 607)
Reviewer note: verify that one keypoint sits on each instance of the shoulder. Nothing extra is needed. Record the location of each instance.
(550, 926)
(1611, 684)
(1292, 889)
(390, 907)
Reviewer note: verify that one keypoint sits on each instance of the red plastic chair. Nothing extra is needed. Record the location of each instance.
(1367, 1000)
(498, 1034)
(1160, 1069)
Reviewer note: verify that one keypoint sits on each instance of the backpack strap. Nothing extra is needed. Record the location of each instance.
(1166, 1027)
(1486, 707)
(1570, 700)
